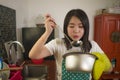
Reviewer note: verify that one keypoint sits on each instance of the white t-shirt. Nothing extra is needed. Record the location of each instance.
(58, 48)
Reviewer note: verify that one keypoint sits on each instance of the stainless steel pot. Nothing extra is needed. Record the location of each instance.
(79, 61)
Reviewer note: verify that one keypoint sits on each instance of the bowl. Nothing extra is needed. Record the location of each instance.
(37, 61)
(79, 61)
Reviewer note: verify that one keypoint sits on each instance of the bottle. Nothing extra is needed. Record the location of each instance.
(1, 63)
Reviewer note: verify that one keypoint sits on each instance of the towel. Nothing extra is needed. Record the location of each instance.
(101, 65)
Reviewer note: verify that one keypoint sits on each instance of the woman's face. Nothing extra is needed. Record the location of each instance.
(75, 29)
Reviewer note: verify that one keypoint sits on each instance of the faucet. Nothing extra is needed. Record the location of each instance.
(11, 61)
(17, 42)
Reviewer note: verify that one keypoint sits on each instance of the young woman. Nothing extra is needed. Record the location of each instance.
(76, 27)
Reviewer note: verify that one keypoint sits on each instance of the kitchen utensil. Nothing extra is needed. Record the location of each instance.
(34, 72)
(14, 68)
(73, 43)
(77, 43)
(79, 61)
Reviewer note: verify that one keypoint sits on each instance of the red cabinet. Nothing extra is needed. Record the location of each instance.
(107, 35)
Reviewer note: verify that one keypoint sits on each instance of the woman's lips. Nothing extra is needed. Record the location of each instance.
(75, 36)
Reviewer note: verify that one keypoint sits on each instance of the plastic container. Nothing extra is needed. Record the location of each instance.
(15, 74)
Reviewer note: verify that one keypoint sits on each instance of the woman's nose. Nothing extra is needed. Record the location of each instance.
(76, 29)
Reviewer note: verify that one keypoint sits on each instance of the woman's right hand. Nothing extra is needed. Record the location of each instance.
(49, 23)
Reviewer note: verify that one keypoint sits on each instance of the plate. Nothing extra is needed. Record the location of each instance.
(5, 74)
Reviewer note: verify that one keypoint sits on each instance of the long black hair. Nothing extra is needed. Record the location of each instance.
(85, 22)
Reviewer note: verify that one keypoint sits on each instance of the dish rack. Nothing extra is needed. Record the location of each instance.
(15, 74)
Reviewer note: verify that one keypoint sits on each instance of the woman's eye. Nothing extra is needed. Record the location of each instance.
(81, 26)
(71, 26)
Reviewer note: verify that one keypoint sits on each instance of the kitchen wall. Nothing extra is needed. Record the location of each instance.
(28, 10)
(21, 13)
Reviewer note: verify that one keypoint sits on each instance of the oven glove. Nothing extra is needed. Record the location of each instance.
(101, 65)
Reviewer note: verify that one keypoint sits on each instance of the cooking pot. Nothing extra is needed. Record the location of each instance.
(79, 61)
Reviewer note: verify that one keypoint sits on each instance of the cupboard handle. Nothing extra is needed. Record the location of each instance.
(115, 36)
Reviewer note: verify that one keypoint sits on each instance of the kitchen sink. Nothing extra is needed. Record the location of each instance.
(34, 72)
